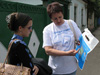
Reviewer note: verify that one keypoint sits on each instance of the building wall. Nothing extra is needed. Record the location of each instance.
(32, 2)
(91, 22)
(80, 5)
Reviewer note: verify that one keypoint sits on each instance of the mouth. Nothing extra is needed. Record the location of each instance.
(59, 23)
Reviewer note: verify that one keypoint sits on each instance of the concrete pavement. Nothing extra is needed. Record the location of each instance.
(92, 65)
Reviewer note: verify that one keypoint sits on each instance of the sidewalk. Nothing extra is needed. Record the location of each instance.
(92, 65)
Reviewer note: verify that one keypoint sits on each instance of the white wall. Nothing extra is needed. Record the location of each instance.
(3, 53)
(32, 2)
(80, 5)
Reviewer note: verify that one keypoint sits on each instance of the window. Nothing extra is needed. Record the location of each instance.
(82, 16)
(75, 13)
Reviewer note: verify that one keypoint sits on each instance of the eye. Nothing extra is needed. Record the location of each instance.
(29, 27)
(55, 18)
(60, 17)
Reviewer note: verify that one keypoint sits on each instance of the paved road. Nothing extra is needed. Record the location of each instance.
(92, 65)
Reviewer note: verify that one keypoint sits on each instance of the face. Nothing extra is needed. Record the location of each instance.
(27, 29)
(57, 18)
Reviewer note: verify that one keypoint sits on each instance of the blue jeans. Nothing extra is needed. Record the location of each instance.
(74, 73)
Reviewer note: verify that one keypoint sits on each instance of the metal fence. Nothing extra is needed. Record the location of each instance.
(40, 20)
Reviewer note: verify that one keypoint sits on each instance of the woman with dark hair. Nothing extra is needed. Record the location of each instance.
(21, 25)
(58, 42)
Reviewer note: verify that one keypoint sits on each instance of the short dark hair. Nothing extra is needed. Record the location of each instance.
(54, 7)
(17, 19)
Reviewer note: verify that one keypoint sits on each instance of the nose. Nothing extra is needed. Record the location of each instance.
(58, 20)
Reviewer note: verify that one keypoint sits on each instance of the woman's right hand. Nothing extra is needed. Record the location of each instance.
(73, 52)
(35, 69)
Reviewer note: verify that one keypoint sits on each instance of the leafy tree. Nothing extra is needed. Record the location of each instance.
(93, 6)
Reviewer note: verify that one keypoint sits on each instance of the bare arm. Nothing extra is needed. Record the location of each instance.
(50, 51)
